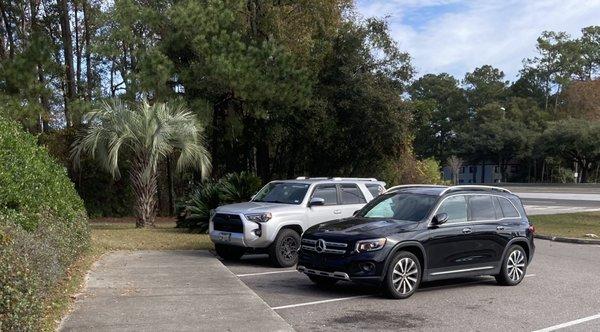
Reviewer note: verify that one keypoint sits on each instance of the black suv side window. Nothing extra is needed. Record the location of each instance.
(455, 207)
(328, 192)
(508, 209)
(351, 194)
(481, 208)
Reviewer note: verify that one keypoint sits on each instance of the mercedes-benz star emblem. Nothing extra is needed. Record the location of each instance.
(320, 245)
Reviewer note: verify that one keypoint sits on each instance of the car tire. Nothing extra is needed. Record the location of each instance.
(514, 267)
(283, 252)
(322, 281)
(403, 276)
(229, 253)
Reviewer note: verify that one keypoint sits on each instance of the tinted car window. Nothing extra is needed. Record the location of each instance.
(328, 192)
(282, 192)
(411, 207)
(508, 209)
(497, 209)
(455, 207)
(481, 208)
(375, 189)
(351, 194)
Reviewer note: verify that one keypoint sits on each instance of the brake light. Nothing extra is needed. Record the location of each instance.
(532, 229)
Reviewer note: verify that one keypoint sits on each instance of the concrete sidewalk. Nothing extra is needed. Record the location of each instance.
(168, 291)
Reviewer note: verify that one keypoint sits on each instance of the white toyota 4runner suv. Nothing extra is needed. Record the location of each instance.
(277, 215)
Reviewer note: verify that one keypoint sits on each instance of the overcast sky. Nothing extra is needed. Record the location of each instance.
(455, 36)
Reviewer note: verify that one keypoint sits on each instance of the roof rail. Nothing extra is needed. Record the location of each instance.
(474, 187)
(335, 178)
(352, 179)
(406, 186)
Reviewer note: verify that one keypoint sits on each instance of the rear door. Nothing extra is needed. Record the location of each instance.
(331, 210)
(483, 214)
(351, 198)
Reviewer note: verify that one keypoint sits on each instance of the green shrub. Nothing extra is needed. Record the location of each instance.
(194, 213)
(43, 227)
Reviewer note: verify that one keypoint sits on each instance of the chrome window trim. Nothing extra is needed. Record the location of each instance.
(429, 219)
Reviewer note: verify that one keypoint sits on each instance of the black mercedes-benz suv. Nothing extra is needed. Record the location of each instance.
(418, 233)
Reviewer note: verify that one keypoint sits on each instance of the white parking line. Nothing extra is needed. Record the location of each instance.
(262, 273)
(571, 323)
(319, 302)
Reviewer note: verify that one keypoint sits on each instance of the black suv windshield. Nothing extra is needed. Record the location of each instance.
(399, 206)
(282, 192)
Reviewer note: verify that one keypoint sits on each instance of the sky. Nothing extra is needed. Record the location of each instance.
(456, 36)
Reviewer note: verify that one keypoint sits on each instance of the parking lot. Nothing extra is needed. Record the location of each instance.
(561, 289)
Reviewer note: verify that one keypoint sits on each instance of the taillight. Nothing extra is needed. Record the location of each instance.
(532, 229)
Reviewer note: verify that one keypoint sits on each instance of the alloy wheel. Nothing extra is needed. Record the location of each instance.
(289, 248)
(405, 275)
(515, 265)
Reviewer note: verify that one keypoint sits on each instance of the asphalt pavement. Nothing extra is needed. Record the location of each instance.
(561, 287)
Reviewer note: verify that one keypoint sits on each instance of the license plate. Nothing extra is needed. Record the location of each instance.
(225, 236)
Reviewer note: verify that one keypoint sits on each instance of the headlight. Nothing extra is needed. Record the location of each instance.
(258, 217)
(370, 245)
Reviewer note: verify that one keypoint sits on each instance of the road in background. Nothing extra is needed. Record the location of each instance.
(555, 199)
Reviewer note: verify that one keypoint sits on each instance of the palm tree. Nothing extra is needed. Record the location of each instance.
(147, 133)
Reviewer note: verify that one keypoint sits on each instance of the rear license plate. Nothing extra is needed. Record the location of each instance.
(225, 236)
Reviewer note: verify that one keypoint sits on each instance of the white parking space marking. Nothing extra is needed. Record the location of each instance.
(319, 302)
(571, 323)
(529, 275)
(263, 273)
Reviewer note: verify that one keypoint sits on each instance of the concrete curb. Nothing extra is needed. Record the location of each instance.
(567, 239)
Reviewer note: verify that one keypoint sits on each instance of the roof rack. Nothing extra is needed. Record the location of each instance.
(407, 186)
(336, 178)
(474, 187)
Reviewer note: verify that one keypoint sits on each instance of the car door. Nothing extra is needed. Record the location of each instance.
(496, 234)
(451, 247)
(330, 210)
(351, 198)
(482, 212)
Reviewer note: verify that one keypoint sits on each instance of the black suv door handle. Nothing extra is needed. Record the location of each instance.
(467, 230)
(500, 228)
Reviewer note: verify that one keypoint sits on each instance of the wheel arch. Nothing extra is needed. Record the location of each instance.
(523, 242)
(413, 247)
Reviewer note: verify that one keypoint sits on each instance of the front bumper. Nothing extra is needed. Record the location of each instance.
(248, 238)
(349, 266)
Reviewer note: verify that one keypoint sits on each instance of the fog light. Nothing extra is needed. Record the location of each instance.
(367, 267)
(258, 232)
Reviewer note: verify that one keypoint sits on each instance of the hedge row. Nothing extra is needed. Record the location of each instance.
(43, 227)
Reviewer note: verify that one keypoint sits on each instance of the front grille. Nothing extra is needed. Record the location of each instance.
(322, 246)
(228, 223)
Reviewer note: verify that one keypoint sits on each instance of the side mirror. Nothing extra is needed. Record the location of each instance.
(316, 201)
(439, 219)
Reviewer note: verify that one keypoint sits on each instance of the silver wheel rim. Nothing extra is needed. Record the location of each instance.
(405, 275)
(515, 266)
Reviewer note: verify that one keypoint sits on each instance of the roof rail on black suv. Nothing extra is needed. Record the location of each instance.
(416, 233)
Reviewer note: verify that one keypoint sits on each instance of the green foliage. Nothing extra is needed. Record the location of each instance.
(575, 140)
(149, 133)
(194, 213)
(43, 227)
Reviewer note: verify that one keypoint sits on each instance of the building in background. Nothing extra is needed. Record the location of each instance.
(483, 173)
